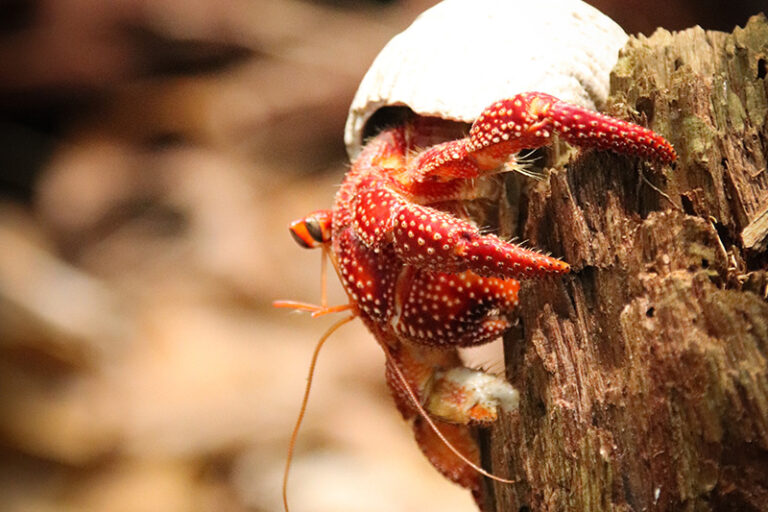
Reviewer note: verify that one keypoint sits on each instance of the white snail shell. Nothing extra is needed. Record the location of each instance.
(462, 55)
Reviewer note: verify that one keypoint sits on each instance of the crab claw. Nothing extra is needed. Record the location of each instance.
(527, 121)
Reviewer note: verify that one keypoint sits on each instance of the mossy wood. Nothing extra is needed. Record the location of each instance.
(643, 374)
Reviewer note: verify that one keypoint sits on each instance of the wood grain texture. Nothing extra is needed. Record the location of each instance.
(643, 374)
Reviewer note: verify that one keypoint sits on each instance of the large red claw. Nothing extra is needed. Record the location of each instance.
(528, 120)
(525, 121)
(582, 127)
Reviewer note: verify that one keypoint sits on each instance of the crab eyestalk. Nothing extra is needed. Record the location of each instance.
(312, 230)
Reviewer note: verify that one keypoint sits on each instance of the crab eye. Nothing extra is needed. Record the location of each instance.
(301, 234)
(312, 230)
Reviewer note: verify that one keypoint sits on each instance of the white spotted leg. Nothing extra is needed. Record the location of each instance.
(529, 120)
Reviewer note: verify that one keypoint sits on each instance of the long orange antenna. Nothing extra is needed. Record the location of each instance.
(304, 401)
(425, 415)
(324, 277)
(323, 308)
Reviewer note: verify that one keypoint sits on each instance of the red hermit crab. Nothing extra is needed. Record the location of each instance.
(424, 278)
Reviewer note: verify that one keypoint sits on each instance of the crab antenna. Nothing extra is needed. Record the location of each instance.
(425, 415)
(323, 308)
(304, 401)
(324, 278)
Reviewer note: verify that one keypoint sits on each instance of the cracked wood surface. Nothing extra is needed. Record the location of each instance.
(643, 374)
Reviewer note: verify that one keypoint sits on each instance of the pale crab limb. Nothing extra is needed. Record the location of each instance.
(461, 395)
(447, 389)
(528, 120)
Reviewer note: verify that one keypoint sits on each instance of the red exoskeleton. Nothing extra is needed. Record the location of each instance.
(427, 281)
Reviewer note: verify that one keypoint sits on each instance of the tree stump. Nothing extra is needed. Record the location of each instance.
(643, 374)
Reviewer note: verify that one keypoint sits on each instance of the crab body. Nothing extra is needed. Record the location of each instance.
(423, 278)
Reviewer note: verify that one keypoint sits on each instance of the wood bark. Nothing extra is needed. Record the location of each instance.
(643, 374)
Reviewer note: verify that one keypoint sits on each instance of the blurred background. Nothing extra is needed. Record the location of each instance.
(152, 153)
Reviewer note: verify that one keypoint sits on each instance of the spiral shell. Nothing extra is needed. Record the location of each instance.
(461, 55)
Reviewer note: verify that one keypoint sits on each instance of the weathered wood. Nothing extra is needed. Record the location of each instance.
(643, 375)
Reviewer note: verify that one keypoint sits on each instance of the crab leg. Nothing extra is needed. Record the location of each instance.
(432, 239)
(455, 396)
(437, 240)
(448, 390)
(529, 120)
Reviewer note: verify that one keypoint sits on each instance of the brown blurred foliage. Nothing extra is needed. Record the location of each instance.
(152, 153)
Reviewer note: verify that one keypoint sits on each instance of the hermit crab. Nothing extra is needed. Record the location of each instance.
(421, 275)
